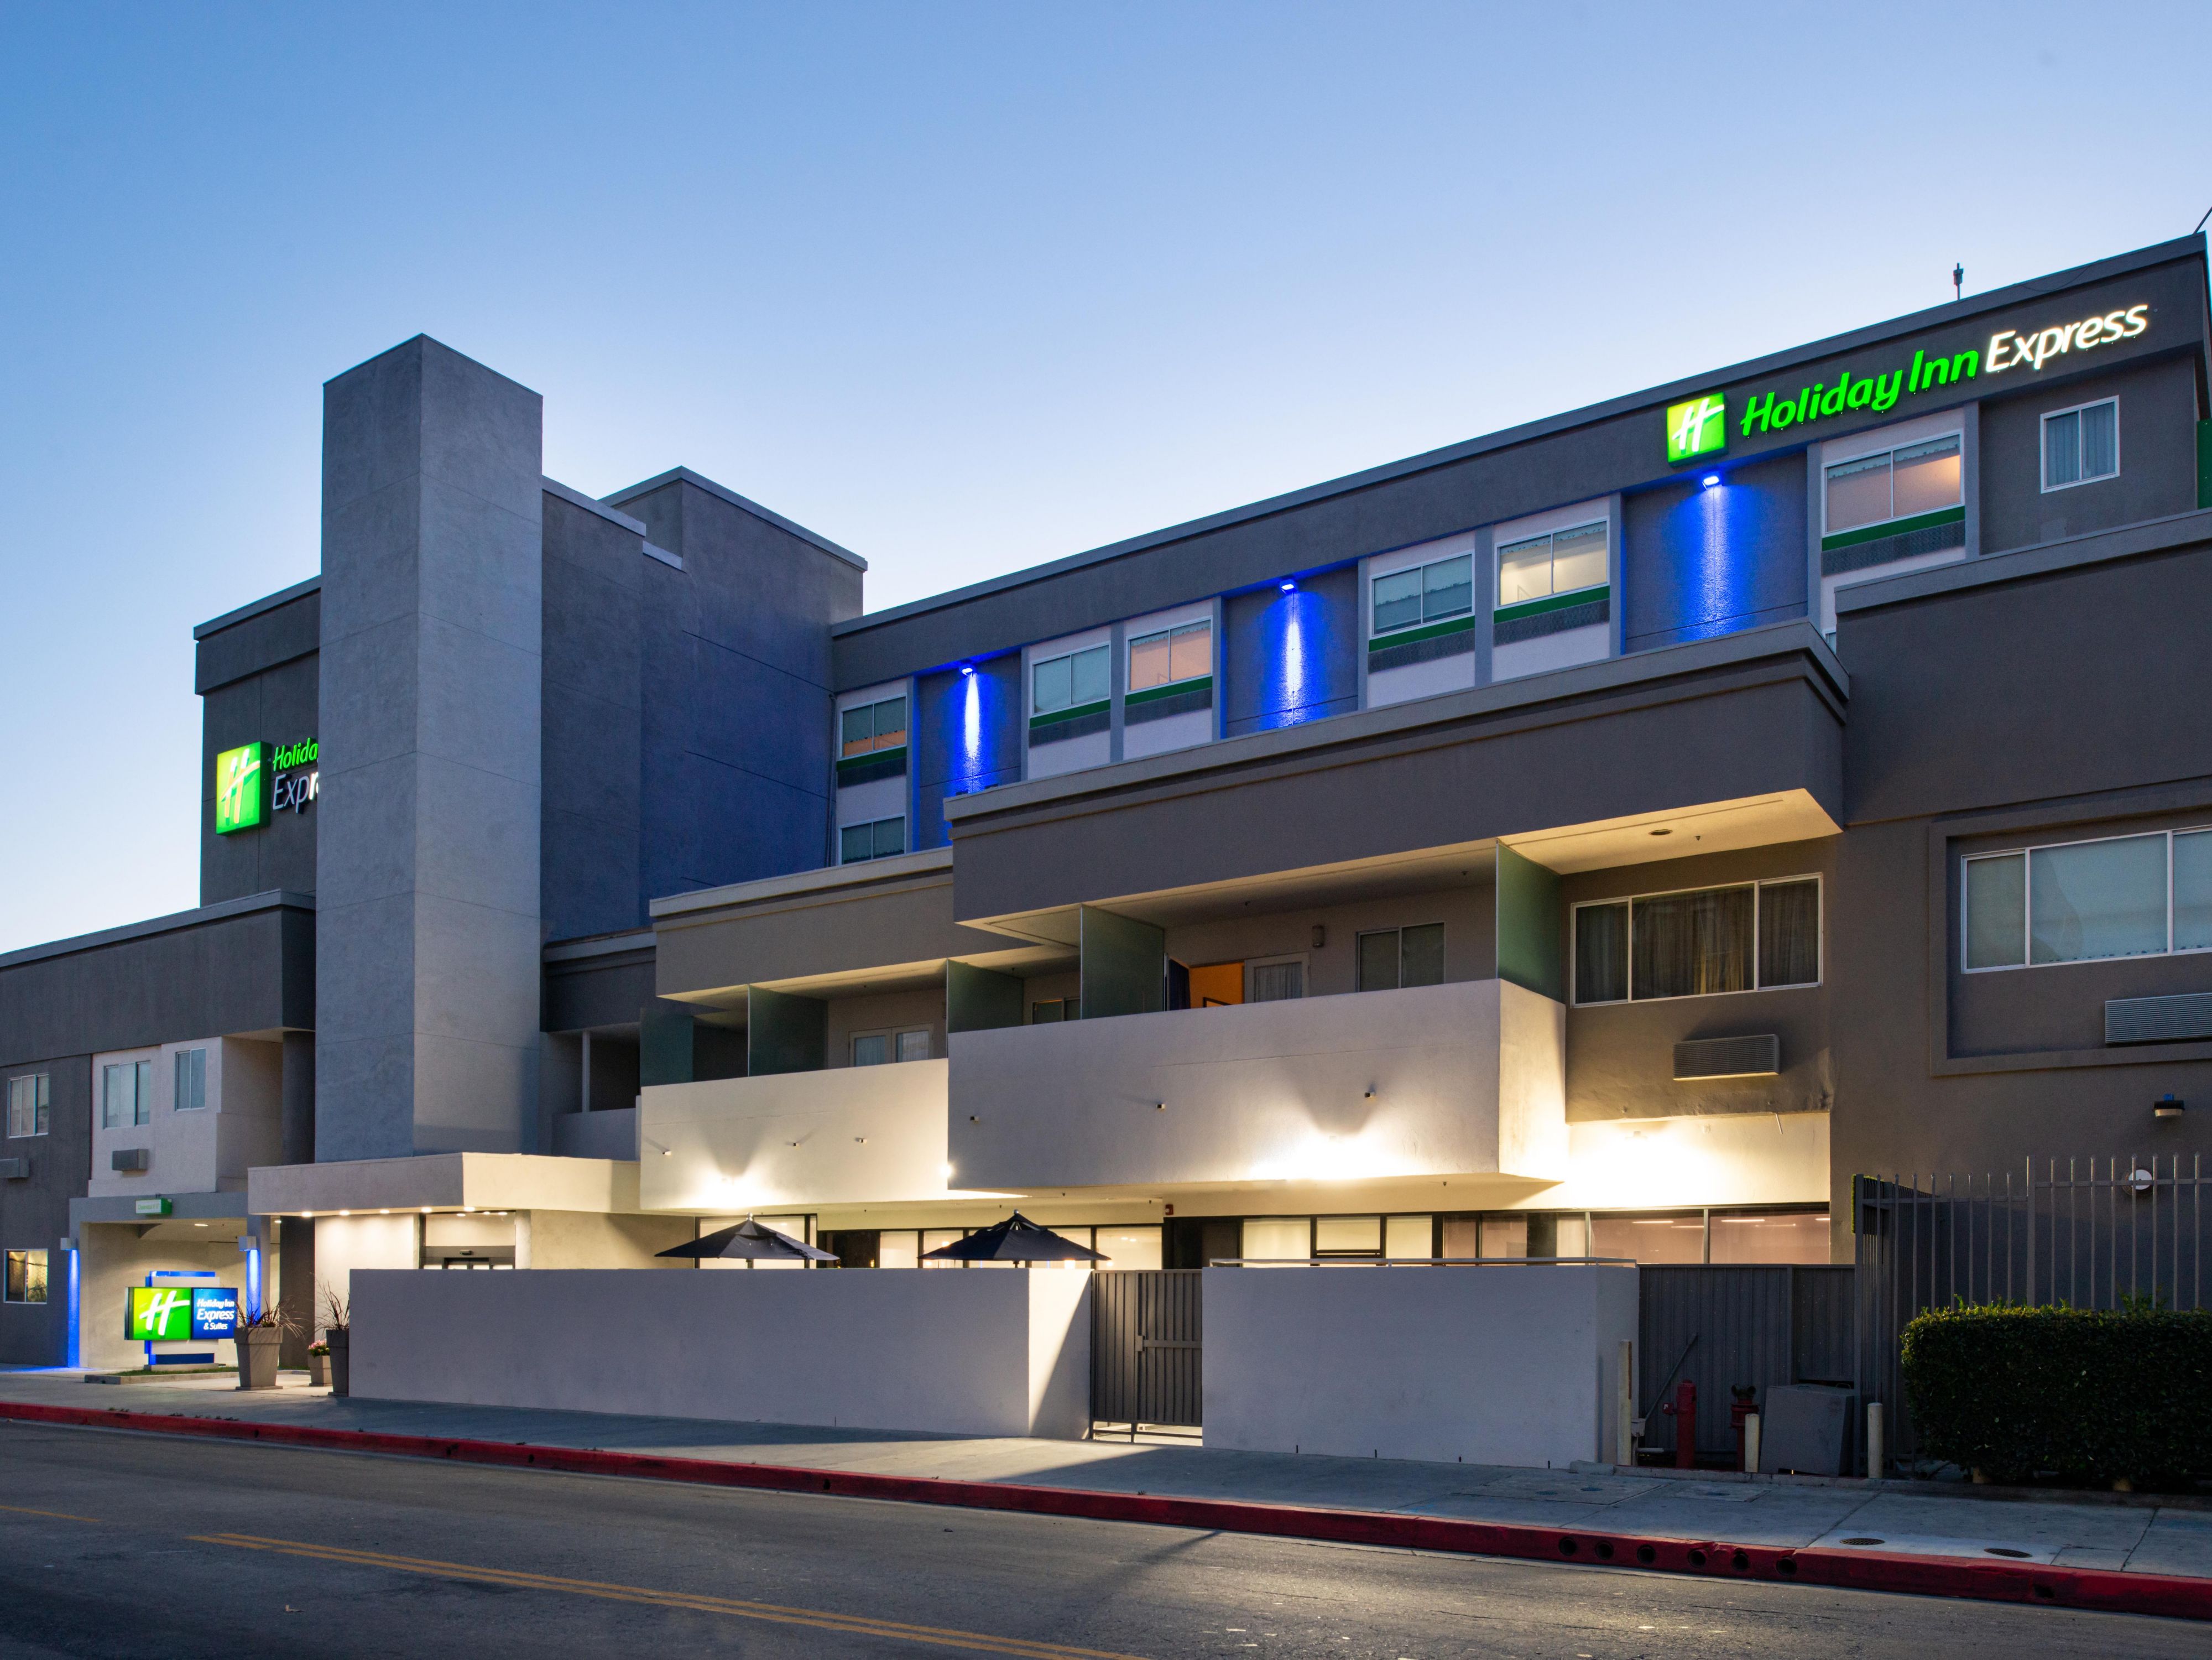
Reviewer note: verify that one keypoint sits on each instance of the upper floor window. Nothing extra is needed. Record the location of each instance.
(872, 726)
(1161, 660)
(1275, 979)
(876, 1048)
(1391, 957)
(192, 1079)
(878, 840)
(1071, 682)
(1558, 562)
(1426, 594)
(2081, 445)
(1904, 482)
(1753, 936)
(2087, 902)
(26, 1276)
(126, 1094)
(29, 1104)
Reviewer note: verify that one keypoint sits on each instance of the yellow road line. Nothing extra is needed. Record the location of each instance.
(820, 1618)
(58, 1515)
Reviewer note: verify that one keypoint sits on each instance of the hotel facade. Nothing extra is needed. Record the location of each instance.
(1609, 837)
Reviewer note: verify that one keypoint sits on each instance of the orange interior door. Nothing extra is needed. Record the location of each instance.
(1213, 984)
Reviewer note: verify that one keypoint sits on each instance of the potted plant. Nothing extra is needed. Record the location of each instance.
(319, 1365)
(260, 1338)
(338, 1331)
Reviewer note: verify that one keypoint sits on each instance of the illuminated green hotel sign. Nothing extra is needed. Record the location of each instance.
(249, 783)
(1698, 426)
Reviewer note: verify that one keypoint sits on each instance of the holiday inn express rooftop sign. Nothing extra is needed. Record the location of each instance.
(249, 783)
(1698, 426)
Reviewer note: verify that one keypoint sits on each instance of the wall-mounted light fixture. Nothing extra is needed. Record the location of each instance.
(1711, 481)
(2168, 1106)
(967, 668)
(1287, 585)
(1320, 936)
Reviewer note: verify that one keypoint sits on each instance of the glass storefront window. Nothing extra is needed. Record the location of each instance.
(1405, 1237)
(1676, 1238)
(1277, 1239)
(1127, 1247)
(1800, 1237)
(1337, 1236)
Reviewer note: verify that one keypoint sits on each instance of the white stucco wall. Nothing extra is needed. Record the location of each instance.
(966, 1353)
(1489, 1365)
(1465, 1079)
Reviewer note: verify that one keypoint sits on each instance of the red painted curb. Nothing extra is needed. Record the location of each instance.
(1922, 1576)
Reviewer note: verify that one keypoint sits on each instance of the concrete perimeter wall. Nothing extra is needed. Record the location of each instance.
(1491, 1366)
(1002, 1352)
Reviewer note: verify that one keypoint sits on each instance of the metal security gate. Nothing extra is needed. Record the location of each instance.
(1725, 1327)
(2088, 1233)
(1145, 1354)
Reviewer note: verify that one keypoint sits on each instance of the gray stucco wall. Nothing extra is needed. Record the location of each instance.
(427, 871)
(257, 682)
(2159, 411)
(35, 1210)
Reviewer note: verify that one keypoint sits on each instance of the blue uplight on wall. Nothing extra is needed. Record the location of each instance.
(966, 737)
(1715, 552)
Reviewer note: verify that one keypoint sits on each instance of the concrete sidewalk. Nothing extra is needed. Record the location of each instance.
(1895, 1518)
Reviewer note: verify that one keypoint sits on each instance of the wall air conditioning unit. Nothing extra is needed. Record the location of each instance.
(131, 1159)
(14, 1170)
(1728, 1057)
(2159, 1019)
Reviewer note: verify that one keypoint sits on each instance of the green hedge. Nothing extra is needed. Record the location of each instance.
(2022, 1392)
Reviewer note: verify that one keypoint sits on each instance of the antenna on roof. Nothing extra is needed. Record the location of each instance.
(1958, 282)
(2200, 223)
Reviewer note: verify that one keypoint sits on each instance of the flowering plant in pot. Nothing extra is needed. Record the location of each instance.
(260, 1337)
(335, 1316)
(319, 1365)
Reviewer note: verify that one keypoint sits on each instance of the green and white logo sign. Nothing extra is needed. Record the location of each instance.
(1696, 428)
(238, 787)
(159, 1314)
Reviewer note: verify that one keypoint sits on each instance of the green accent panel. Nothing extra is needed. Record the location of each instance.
(1893, 528)
(785, 1032)
(1075, 712)
(1123, 961)
(1698, 426)
(2204, 464)
(1173, 689)
(1529, 926)
(977, 1000)
(239, 792)
(1426, 631)
(1551, 602)
(663, 1044)
(848, 764)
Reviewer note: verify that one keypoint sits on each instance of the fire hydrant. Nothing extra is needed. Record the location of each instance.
(1744, 1403)
(1684, 1411)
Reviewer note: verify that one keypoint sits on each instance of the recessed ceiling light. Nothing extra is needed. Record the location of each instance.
(1662, 832)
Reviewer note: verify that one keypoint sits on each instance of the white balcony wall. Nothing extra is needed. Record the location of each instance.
(856, 1135)
(1466, 1078)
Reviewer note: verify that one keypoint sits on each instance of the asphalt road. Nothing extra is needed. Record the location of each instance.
(124, 1545)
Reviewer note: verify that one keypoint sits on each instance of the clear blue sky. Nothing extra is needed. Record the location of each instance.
(962, 287)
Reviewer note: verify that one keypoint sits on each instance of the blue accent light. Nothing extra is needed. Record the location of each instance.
(967, 669)
(75, 1348)
(1288, 586)
(1711, 480)
(254, 1284)
(1291, 629)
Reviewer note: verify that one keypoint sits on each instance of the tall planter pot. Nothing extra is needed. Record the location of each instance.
(257, 1349)
(337, 1340)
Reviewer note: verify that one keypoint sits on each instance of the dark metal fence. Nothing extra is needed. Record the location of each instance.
(1147, 1331)
(1724, 1328)
(2091, 1233)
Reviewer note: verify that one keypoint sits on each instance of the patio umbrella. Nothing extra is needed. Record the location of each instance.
(753, 1242)
(1017, 1240)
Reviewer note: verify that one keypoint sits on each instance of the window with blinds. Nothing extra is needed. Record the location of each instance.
(1702, 942)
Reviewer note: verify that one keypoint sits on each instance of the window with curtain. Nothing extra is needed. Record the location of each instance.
(2080, 446)
(1391, 957)
(1899, 484)
(879, 839)
(2087, 902)
(872, 726)
(1071, 682)
(1433, 592)
(1179, 654)
(192, 1080)
(26, 1276)
(1750, 936)
(1559, 561)
(30, 1109)
(1276, 983)
(126, 1094)
(877, 1048)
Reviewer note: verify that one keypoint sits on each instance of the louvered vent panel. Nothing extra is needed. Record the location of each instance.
(2158, 1019)
(1728, 1057)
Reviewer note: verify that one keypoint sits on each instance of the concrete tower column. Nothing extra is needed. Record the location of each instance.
(427, 857)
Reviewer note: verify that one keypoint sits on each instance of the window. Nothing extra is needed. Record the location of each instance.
(1179, 654)
(880, 840)
(1276, 981)
(2088, 901)
(192, 1079)
(876, 1048)
(2080, 446)
(1347, 1236)
(1426, 594)
(1052, 1010)
(872, 726)
(29, 1104)
(26, 1276)
(1391, 957)
(1754, 936)
(126, 1094)
(1900, 483)
(1071, 682)
(1560, 562)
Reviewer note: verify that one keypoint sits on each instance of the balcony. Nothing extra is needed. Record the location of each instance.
(848, 1136)
(1461, 1078)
